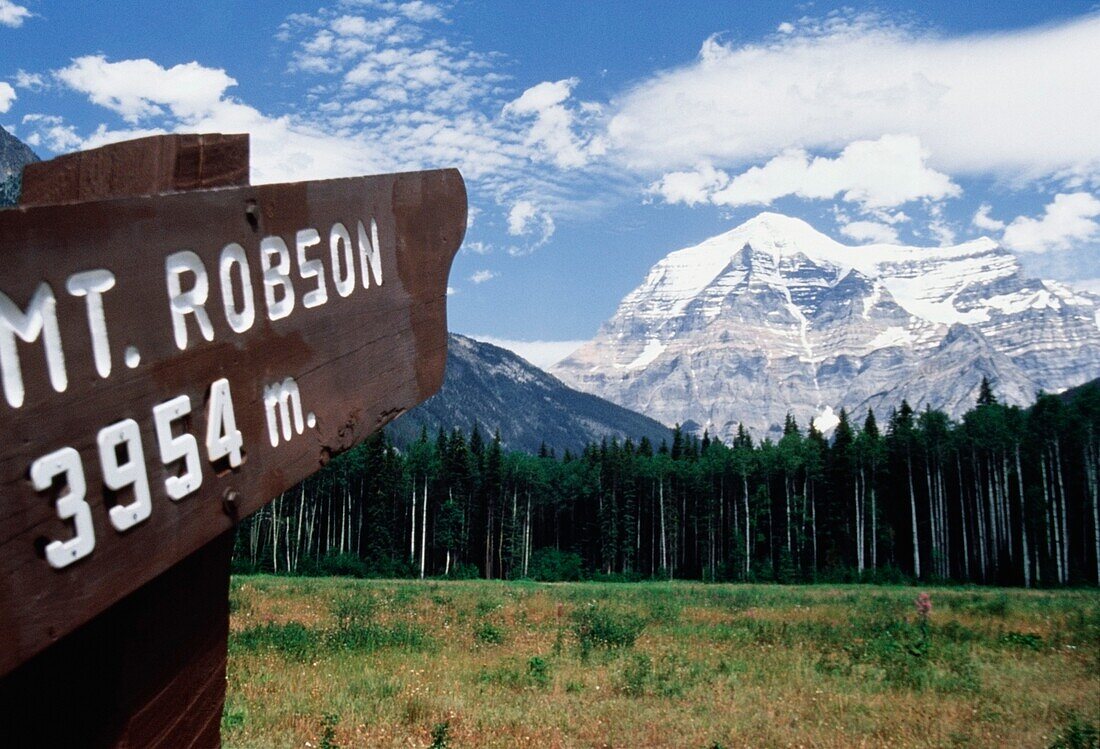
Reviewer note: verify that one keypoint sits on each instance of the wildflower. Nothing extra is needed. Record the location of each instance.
(924, 610)
(924, 606)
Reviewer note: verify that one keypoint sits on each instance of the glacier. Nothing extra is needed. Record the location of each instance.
(774, 316)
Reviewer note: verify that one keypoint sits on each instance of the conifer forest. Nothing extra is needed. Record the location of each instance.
(1005, 496)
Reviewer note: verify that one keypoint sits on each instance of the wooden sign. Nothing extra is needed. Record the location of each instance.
(170, 363)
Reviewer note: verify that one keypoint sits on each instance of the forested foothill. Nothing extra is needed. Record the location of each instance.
(1004, 496)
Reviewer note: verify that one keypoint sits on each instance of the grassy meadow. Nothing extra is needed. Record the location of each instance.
(327, 662)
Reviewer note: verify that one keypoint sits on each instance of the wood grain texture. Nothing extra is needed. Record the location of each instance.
(359, 361)
(145, 166)
(148, 672)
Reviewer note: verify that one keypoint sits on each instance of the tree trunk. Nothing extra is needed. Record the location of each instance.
(874, 521)
(1092, 458)
(748, 526)
(664, 537)
(412, 527)
(1023, 519)
(913, 514)
(1062, 512)
(962, 519)
(423, 528)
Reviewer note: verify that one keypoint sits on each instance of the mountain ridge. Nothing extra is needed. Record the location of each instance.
(497, 389)
(773, 316)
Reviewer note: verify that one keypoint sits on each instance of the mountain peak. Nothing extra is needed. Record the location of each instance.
(773, 316)
(780, 235)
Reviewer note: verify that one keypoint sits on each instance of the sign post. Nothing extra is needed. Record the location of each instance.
(176, 349)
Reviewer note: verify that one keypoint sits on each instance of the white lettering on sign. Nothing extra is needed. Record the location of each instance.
(307, 238)
(70, 504)
(285, 399)
(370, 254)
(190, 302)
(240, 316)
(122, 461)
(39, 319)
(276, 278)
(188, 286)
(119, 474)
(223, 439)
(172, 449)
(127, 490)
(92, 285)
(342, 253)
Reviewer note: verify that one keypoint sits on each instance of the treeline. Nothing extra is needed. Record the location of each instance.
(1005, 496)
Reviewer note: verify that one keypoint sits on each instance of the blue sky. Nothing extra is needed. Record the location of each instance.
(595, 138)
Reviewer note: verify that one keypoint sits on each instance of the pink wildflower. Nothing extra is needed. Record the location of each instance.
(924, 606)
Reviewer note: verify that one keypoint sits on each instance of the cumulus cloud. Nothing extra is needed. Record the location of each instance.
(551, 128)
(50, 131)
(1004, 104)
(481, 276)
(983, 220)
(692, 187)
(878, 174)
(542, 354)
(13, 15)
(138, 89)
(1066, 222)
(525, 218)
(870, 231)
(7, 96)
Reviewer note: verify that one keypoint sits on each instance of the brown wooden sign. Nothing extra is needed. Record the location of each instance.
(170, 363)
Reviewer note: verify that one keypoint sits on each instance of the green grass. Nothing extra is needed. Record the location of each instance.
(350, 663)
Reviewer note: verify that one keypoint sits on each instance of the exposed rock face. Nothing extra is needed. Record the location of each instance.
(14, 154)
(774, 316)
(499, 390)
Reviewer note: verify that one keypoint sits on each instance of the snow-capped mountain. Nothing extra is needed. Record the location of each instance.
(774, 316)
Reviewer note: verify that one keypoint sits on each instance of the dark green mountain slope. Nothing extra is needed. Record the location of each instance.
(499, 390)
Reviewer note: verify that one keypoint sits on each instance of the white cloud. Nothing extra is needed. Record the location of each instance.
(32, 81)
(418, 10)
(192, 98)
(1001, 103)
(870, 232)
(7, 96)
(542, 354)
(482, 276)
(881, 173)
(942, 231)
(690, 188)
(525, 218)
(13, 15)
(52, 132)
(139, 89)
(359, 26)
(552, 128)
(1090, 285)
(1066, 222)
(451, 291)
(938, 225)
(478, 248)
(983, 220)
